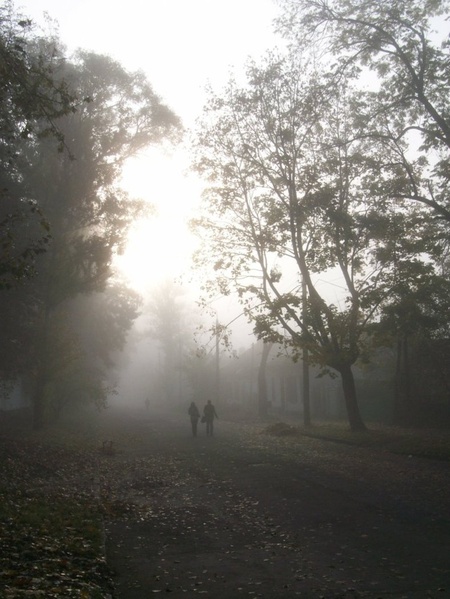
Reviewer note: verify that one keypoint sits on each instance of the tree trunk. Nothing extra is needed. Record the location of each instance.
(306, 395)
(282, 395)
(402, 400)
(351, 403)
(262, 382)
(305, 362)
(38, 397)
(39, 402)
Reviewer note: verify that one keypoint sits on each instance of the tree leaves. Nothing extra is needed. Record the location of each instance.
(87, 214)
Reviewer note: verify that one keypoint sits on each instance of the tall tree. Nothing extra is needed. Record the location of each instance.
(416, 317)
(402, 48)
(86, 335)
(167, 325)
(88, 213)
(262, 381)
(398, 53)
(288, 201)
(32, 97)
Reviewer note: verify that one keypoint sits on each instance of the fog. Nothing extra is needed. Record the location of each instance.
(168, 353)
(181, 47)
(159, 247)
(224, 290)
(102, 292)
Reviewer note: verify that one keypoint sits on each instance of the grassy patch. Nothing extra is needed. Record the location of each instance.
(51, 528)
(51, 548)
(65, 519)
(428, 444)
(419, 443)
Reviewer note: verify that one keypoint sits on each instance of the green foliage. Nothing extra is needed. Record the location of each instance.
(32, 98)
(19, 246)
(290, 204)
(402, 49)
(68, 160)
(314, 174)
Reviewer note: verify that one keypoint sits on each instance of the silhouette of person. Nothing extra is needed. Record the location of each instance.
(147, 403)
(209, 413)
(194, 415)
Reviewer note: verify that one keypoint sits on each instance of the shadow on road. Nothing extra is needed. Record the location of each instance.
(243, 514)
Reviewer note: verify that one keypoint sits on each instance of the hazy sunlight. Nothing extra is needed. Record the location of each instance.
(160, 246)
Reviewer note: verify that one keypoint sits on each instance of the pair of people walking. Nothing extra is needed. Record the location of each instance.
(209, 413)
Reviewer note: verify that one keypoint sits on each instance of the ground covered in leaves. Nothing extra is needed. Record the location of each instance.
(132, 506)
(51, 520)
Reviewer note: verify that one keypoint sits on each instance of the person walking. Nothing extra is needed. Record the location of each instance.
(194, 415)
(209, 413)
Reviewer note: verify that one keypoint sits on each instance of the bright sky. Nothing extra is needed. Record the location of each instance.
(181, 45)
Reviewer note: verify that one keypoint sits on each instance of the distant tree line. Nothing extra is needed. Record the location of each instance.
(332, 163)
(67, 125)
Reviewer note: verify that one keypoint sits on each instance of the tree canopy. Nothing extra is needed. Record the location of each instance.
(314, 176)
(66, 166)
(399, 51)
(32, 98)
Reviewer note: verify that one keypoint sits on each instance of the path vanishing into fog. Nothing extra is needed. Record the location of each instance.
(245, 514)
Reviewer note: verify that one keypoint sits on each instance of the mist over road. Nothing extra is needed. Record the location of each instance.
(245, 514)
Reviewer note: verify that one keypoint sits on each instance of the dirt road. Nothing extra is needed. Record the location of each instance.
(243, 514)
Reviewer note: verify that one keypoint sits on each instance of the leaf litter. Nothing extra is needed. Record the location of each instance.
(51, 522)
(55, 500)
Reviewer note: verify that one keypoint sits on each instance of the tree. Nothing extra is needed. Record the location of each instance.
(262, 382)
(403, 49)
(88, 213)
(288, 201)
(167, 325)
(398, 45)
(416, 317)
(86, 334)
(201, 374)
(32, 98)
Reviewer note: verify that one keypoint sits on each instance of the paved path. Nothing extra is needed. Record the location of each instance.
(243, 514)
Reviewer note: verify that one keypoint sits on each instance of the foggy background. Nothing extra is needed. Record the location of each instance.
(129, 320)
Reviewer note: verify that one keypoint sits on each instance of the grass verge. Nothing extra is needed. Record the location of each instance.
(51, 526)
(419, 443)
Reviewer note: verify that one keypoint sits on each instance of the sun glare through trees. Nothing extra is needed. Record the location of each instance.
(160, 245)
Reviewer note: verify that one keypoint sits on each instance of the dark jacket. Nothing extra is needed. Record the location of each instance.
(209, 411)
(193, 412)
